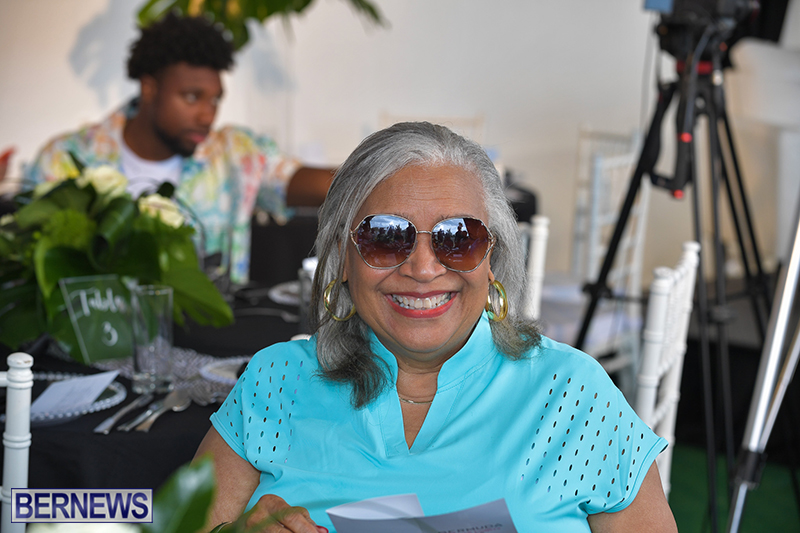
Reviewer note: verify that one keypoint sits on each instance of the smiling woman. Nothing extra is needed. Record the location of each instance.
(422, 376)
(397, 303)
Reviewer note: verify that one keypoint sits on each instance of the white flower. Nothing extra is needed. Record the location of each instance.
(158, 206)
(82, 528)
(105, 179)
(6, 219)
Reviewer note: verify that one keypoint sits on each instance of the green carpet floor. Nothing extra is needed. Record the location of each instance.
(771, 508)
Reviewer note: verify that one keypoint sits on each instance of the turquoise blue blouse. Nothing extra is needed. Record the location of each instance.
(549, 433)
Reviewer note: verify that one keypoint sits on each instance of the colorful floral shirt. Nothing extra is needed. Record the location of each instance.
(230, 173)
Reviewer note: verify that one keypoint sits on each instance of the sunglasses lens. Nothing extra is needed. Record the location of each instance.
(460, 243)
(385, 241)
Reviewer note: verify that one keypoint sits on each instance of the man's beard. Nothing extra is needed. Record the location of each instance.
(173, 143)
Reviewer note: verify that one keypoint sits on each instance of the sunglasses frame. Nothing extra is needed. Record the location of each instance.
(492, 242)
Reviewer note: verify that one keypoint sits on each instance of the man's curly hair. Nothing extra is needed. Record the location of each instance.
(175, 39)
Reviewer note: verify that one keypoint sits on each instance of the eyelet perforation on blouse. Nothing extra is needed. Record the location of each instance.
(271, 404)
(578, 423)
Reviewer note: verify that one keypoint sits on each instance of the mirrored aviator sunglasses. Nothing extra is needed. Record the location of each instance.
(385, 241)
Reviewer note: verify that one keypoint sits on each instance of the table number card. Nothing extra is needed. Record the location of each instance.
(100, 312)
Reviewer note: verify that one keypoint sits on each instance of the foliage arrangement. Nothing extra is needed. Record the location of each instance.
(85, 225)
(234, 14)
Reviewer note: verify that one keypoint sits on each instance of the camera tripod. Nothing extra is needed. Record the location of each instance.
(775, 372)
(701, 90)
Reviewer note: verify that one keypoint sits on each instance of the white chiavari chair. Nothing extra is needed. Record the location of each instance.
(18, 381)
(605, 165)
(534, 237)
(658, 380)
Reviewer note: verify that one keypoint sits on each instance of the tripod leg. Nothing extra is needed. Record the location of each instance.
(765, 398)
(750, 279)
(721, 313)
(758, 284)
(705, 361)
(647, 160)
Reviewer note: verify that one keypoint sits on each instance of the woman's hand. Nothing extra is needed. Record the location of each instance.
(236, 482)
(278, 516)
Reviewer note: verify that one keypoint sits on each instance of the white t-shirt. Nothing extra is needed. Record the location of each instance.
(146, 176)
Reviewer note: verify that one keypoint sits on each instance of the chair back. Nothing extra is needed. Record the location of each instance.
(534, 237)
(658, 380)
(605, 163)
(18, 381)
(605, 166)
(610, 181)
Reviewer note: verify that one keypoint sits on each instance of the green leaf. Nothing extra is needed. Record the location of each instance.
(194, 294)
(36, 213)
(67, 195)
(234, 14)
(136, 257)
(152, 11)
(69, 228)
(166, 189)
(177, 252)
(7, 247)
(60, 327)
(239, 33)
(114, 224)
(53, 263)
(370, 11)
(20, 320)
(116, 220)
(182, 504)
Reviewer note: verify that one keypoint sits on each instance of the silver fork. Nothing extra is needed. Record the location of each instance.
(152, 408)
(106, 425)
(176, 401)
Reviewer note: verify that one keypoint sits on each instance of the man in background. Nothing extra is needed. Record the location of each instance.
(166, 135)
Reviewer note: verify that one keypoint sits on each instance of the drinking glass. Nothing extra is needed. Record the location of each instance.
(152, 331)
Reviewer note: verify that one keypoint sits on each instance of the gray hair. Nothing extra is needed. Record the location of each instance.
(343, 348)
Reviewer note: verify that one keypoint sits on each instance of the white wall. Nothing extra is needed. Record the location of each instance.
(535, 70)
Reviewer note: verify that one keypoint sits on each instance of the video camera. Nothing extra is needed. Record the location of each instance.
(699, 12)
(684, 21)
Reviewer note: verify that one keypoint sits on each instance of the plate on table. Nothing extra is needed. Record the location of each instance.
(114, 394)
(224, 371)
(286, 293)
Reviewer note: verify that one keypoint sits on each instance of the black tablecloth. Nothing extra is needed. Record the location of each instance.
(70, 455)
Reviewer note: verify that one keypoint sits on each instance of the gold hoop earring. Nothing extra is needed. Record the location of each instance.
(326, 298)
(497, 316)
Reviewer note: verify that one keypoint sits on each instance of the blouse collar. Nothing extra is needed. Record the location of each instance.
(478, 349)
